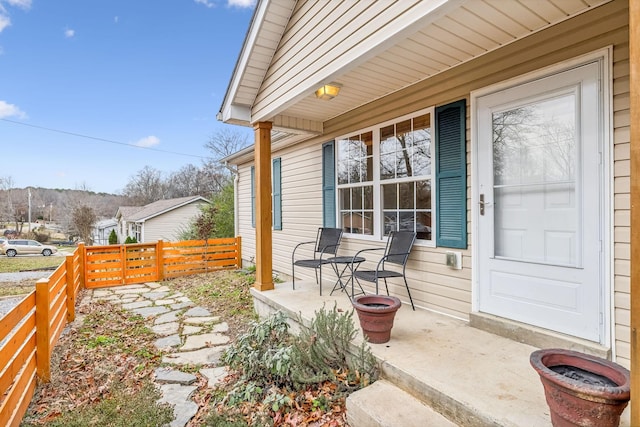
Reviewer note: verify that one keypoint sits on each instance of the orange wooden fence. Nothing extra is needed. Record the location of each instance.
(28, 333)
(147, 262)
(32, 328)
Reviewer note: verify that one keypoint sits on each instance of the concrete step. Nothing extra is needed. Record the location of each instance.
(384, 405)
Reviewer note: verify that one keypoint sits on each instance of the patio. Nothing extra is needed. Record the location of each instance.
(472, 377)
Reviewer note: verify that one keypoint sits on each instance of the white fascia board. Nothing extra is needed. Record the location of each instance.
(228, 110)
(236, 114)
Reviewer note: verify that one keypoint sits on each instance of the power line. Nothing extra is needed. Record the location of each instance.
(110, 141)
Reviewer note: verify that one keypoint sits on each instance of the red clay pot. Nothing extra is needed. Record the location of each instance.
(376, 314)
(581, 399)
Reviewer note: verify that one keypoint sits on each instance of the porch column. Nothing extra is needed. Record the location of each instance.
(264, 259)
(634, 63)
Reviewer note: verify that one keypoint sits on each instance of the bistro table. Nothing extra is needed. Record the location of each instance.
(345, 265)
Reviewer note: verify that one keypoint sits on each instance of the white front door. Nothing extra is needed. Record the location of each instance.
(540, 195)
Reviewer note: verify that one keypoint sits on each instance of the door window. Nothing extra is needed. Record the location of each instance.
(534, 181)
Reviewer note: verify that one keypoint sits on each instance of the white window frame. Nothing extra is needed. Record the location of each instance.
(377, 183)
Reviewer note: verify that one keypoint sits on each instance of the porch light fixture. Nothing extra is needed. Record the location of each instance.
(328, 91)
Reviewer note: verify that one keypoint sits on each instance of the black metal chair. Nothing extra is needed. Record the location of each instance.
(325, 246)
(397, 253)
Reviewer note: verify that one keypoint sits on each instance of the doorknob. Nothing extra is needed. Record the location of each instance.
(482, 204)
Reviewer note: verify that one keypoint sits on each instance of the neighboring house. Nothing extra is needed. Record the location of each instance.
(497, 130)
(102, 229)
(161, 220)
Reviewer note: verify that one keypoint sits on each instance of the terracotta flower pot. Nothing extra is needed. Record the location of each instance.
(582, 390)
(376, 314)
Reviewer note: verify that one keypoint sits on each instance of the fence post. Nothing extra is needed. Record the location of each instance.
(43, 325)
(82, 255)
(159, 261)
(123, 263)
(71, 289)
(239, 252)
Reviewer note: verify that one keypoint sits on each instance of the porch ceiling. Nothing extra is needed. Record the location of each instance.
(466, 30)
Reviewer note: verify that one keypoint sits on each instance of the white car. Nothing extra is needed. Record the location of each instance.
(12, 248)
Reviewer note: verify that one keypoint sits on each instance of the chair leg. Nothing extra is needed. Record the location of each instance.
(320, 282)
(409, 293)
(386, 286)
(293, 274)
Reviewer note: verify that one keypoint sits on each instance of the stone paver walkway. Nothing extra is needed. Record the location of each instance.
(188, 334)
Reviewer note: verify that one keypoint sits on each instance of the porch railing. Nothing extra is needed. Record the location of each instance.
(32, 328)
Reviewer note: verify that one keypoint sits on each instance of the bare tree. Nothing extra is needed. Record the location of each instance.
(147, 186)
(84, 219)
(221, 145)
(6, 205)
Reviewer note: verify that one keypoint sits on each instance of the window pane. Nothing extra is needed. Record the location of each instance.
(368, 197)
(407, 221)
(535, 144)
(403, 164)
(535, 156)
(367, 144)
(390, 221)
(367, 170)
(423, 225)
(403, 132)
(345, 197)
(356, 198)
(405, 189)
(343, 161)
(367, 222)
(422, 159)
(388, 166)
(389, 196)
(423, 195)
(387, 139)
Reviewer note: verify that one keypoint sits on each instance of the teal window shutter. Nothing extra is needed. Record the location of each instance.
(277, 194)
(451, 175)
(328, 185)
(253, 196)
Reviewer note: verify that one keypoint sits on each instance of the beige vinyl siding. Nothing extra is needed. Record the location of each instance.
(169, 225)
(325, 37)
(246, 230)
(435, 286)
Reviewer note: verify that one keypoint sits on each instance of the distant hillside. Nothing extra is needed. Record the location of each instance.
(56, 204)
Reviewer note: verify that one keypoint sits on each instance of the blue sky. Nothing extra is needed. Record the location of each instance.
(136, 72)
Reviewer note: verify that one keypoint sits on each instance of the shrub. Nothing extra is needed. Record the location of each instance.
(41, 237)
(113, 238)
(324, 349)
(130, 239)
(271, 363)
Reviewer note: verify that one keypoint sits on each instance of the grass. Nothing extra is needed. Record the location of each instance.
(121, 409)
(101, 374)
(102, 366)
(29, 263)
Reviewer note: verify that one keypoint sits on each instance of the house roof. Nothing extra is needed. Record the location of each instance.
(143, 213)
(371, 49)
(106, 223)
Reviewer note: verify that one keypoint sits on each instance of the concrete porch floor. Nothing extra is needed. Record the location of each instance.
(472, 377)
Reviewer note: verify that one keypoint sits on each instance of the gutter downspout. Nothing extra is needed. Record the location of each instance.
(236, 204)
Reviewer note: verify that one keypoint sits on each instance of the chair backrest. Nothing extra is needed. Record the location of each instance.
(400, 243)
(328, 239)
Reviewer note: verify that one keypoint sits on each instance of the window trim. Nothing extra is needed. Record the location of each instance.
(377, 182)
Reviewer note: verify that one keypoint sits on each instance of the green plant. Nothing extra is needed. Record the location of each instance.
(100, 340)
(325, 348)
(262, 353)
(113, 238)
(130, 239)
